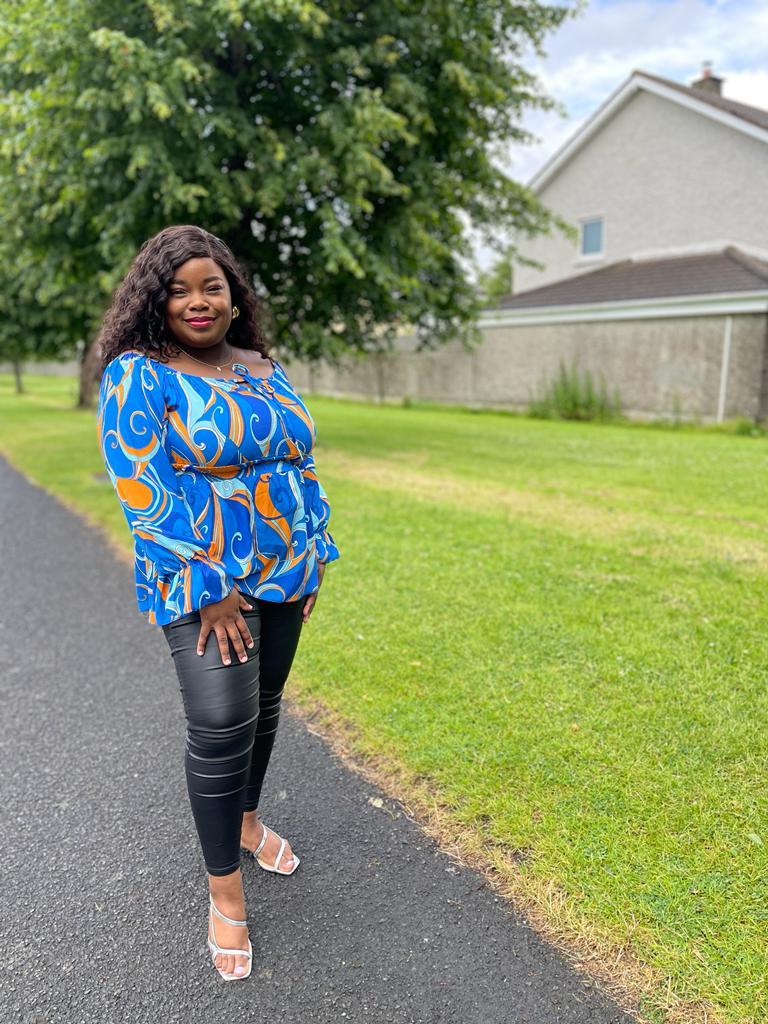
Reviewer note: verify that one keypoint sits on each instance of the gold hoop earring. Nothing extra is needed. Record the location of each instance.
(235, 312)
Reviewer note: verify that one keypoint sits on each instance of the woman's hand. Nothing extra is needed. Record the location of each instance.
(309, 604)
(224, 619)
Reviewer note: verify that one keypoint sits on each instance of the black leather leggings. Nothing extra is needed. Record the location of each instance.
(232, 713)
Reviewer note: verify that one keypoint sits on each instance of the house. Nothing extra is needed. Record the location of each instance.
(666, 289)
(659, 169)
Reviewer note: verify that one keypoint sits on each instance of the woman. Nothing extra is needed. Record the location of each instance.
(209, 449)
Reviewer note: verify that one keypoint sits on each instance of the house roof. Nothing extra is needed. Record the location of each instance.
(741, 117)
(755, 115)
(729, 270)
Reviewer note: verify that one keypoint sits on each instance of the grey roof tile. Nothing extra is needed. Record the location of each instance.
(729, 270)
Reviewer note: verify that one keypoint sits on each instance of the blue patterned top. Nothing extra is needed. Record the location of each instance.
(217, 482)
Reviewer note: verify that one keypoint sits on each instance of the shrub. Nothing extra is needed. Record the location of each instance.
(745, 427)
(573, 395)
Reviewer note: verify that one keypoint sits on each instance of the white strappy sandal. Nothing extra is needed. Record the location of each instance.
(271, 867)
(215, 948)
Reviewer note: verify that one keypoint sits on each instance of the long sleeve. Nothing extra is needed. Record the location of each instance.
(184, 566)
(319, 509)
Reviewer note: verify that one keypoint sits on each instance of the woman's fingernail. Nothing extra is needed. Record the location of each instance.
(200, 653)
(226, 661)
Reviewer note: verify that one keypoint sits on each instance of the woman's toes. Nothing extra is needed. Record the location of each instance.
(230, 964)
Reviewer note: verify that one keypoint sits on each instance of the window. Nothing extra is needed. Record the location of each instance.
(592, 236)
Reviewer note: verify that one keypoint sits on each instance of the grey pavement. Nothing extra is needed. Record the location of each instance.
(104, 899)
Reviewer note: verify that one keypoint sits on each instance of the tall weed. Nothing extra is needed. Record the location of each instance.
(574, 395)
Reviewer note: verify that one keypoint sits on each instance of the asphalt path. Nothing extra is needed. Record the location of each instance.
(104, 899)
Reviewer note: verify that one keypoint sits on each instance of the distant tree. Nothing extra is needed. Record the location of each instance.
(496, 282)
(336, 146)
(36, 313)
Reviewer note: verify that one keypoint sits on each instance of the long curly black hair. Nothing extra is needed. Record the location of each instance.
(135, 318)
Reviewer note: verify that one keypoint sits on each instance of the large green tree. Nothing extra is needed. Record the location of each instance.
(337, 147)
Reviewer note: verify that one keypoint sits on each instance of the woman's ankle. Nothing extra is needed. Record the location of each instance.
(251, 826)
(227, 885)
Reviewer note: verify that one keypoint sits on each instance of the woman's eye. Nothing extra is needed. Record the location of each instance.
(214, 288)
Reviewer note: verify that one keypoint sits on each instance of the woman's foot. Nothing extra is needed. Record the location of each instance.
(227, 893)
(251, 834)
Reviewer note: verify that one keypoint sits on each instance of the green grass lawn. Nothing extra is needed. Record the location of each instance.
(559, 628)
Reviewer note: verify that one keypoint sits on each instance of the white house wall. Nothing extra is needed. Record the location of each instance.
(663, 178)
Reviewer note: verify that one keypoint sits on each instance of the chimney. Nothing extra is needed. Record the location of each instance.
(708, 82)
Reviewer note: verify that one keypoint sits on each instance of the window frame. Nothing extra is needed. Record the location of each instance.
(589, 257)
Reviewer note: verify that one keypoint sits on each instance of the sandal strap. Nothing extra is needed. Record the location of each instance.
(215, 948)
(280, 852)
(229, 920)
(234, 952)
(279, 856)
(264, 836)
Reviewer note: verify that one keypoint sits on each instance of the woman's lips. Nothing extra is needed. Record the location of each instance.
(200, 322)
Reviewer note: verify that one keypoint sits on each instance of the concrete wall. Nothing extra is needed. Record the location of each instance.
(662, 177)
(49, 369)
(661, 367)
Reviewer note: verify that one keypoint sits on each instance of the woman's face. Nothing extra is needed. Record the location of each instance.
(198, 308)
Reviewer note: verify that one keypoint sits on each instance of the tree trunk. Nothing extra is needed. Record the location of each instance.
(90, 376)
(17, 376)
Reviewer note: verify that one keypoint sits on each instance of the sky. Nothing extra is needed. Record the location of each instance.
(592, 54)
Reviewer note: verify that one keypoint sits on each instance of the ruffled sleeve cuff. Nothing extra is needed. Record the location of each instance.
(326, 548)
(166, 593)
(204, 582)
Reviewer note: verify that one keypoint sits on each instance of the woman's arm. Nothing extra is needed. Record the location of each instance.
(319, 509)
(131, 413)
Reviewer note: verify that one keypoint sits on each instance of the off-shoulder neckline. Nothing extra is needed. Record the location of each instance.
(218, 380)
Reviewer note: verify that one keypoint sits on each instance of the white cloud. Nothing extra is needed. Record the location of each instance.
(590, 55)
(748, 87)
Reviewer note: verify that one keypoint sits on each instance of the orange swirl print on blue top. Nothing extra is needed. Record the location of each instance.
(217, 482)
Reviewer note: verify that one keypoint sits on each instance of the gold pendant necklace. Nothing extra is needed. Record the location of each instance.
(219, 368)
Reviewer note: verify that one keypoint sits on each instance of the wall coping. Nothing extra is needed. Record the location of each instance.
(630, 309)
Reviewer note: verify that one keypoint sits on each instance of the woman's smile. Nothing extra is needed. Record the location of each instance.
(199, 322)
